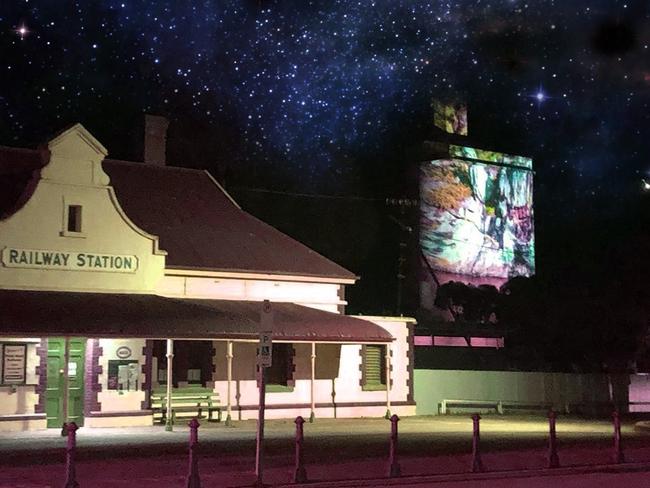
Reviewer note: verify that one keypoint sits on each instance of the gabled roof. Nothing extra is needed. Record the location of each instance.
(198, 224)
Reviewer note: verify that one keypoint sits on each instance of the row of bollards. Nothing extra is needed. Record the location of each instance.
(477, 464)
(300, 473)
(70, 451)
(393, 468)
(618, 446)
(193, 479)
(553, 458)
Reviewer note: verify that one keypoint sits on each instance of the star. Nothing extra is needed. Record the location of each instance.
(22, 31)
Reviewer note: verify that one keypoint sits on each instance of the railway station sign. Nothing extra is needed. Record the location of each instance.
(68, 260)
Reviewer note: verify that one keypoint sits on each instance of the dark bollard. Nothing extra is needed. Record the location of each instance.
(300, 474)
(394, 469)
(193, 479)
(618, 446)
(71, 474)
(477, 464)
(553, 460)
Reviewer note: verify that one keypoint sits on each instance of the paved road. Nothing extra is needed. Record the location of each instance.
(334, 450)
(172, 473)
(593, 480)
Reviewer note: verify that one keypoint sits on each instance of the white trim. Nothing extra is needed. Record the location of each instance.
(78, 290)
(172, 271)
(68, 233)
(67, 203)
(409, 320)
(302, 303)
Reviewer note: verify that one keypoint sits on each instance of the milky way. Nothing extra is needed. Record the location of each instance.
(309, 86)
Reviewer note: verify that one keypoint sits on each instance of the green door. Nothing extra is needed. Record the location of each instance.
(55, 381)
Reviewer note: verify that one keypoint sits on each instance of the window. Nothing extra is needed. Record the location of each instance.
(373, 367)
(193, 363)
(123, 375)
(74, 218)
(194, 376)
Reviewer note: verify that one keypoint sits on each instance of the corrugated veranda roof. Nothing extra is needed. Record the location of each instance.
(29, 313)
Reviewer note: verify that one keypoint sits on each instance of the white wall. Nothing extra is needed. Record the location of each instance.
(114, 400)
(318, 295)
(74, 176)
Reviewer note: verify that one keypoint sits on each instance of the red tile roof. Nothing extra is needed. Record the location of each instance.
(198, 224)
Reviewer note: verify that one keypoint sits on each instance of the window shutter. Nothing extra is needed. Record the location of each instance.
(374, 365)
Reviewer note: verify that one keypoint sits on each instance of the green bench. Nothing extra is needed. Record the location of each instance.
(186, 403)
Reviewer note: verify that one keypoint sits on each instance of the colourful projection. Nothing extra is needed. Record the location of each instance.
(477, 219)
(491, 156)
(450, 117)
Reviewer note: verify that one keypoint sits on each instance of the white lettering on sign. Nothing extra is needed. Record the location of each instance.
(76, 261)
(265, 350)
(13, 364)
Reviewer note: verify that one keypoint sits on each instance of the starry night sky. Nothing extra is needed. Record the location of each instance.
(326, 96)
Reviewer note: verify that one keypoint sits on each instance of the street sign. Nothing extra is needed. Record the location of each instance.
(266, 318)
(264, 359)
(265, 350)
(265, 347)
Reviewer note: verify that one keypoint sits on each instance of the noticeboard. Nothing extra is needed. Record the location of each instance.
(14, 362)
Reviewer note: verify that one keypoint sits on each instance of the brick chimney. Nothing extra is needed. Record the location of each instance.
(155, 139)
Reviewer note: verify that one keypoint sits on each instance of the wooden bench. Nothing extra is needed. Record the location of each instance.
(192, 403)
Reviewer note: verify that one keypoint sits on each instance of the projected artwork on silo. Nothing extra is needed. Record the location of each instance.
(476, 219)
